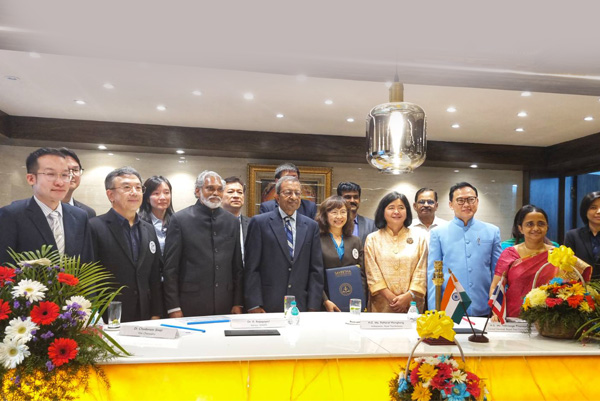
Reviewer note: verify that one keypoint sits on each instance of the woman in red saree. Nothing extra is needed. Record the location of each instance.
(521, 262)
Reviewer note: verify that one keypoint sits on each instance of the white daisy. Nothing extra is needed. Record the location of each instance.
(20, 330)
(35, 262)
(432, 360)
(12, 353)
(458, 376)
(84, 304)
(453, 363)
(31, 289)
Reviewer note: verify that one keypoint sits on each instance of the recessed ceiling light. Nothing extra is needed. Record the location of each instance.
(108, 85)
(102, 147)
(328, 102)
(350, 119)
(182, 158)
(519, 129)
(522, 114)
(34, 55)
(525, 94)
(457, 171)
(589, 118)
(137, 158)
(12, 78)
(279, 115)
(181, 161)
(451, 109)
(80, 102)
(180, 151)
(110, 154)
(197, 93)
(248, 96)
(473, 166)
(160, 107)
(455, 126)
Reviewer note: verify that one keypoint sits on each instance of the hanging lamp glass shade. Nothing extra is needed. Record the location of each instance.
(396, 137)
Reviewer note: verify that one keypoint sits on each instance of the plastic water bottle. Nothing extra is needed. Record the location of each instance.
(413, 312)
(294, 315)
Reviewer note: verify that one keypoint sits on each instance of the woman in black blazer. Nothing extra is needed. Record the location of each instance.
(340, 248)
(585, 241)
(157, 208)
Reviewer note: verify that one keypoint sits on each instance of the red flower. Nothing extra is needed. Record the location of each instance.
(414, 375)
(551, 302)
(62, 350)
(44, 313)
(67, 279)
(574, 300)
(4, 309)
(6, 275)
(444, 370)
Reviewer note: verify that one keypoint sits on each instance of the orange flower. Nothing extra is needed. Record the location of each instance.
(44, 313)
(62, 350)
(67, 279)
(575, 300)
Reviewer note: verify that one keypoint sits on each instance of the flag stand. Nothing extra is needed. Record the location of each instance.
(474, 338)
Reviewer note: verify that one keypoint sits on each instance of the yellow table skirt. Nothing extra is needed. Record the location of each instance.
(508, 378)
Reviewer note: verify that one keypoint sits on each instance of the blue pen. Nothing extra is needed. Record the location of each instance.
(210, 321)
(182, 328)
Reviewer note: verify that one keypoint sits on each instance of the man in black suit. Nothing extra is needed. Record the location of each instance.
(363, 226)
(233, 201)
(128, 247)
(307, 208)
(77, 171)
(283, 255)
(585, 241)
(27, 224)
(203, 259)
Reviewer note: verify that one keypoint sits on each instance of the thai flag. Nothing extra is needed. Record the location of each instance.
(497, 301)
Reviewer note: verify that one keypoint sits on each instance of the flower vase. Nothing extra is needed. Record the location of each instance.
(556, 331)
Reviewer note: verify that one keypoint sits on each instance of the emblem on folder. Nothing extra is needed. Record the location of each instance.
(345, 289)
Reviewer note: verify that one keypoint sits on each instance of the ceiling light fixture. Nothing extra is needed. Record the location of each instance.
(451, 109)
(455, 126)
(110, 154)
(279, 115)
(180, 151)
(519, 129)
(248, 96)
(522, 114)
(525, 94)
(80, 102)
(102, 147)
(396, 134)
(108, 85)
(197, 93)
(12, 78)
(160, 107)
(182, 158)
(473, 166)
(589, 118)
(328, 102)
(457, 171)
(350, 119)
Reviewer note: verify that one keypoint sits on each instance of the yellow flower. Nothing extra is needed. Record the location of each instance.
(413, 364)
(420, 393)
(565, 293)
(427, 372)
(584, 306)
(537, 297)
(578, 289)
(526, 304)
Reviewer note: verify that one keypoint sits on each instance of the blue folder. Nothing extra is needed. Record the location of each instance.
(343, 284)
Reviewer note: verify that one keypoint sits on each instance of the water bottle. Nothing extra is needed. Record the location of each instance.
(413, 312)
(293, 315)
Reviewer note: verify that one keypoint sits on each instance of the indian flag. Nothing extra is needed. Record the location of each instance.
(455, 300)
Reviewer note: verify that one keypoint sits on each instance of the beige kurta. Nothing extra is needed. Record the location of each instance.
(398, 263)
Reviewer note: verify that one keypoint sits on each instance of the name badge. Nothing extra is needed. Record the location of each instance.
(355, 253)
(257, 323)
(148, 332)
(152, 247)
(385, 324)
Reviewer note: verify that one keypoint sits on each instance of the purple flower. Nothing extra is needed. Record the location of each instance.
(27, 303)
(50, 282)
(47, 335)
(50, 366)
(16, 304)
(33, 332)
(17, 379)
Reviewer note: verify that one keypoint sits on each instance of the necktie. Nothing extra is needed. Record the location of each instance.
(290, 236)
(57, 231)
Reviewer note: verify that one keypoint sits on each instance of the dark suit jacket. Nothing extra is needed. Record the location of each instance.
(366, 226)
(331, 258)
(203, 261)
(23, 227)
(245, 222)
(142, 298)
(307, 208)
(270, 273)
(90, 212)
(580, 241)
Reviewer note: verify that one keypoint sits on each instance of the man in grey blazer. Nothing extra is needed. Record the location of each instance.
(363, 226)
(26, 225)
(77, 171)
(283, 255)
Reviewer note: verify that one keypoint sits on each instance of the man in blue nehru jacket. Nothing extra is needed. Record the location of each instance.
(468, 247)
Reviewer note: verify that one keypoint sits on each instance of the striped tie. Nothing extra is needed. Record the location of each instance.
(289, 235)
(57, 231)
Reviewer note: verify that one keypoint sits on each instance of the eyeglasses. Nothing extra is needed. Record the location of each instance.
(470, 200)
(129, 188)
(76, 172)
(430, 202)
(288, 193)
(65, 177)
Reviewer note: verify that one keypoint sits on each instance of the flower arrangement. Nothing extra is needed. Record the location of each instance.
(436, 377)
(49, 305)
(562, 304)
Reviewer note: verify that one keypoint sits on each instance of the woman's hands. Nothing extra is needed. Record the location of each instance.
(331, 307)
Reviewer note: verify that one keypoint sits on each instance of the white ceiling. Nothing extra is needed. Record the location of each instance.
(292, 56)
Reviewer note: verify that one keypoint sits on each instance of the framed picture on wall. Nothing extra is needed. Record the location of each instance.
(316, 185)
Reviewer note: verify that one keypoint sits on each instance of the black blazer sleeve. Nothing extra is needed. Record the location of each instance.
(172, 258)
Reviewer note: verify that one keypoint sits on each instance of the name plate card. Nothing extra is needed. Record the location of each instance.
(385, 324)
(148, 331)
(518, 327)
(257, 323)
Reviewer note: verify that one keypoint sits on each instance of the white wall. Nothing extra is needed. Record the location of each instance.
(499, 199)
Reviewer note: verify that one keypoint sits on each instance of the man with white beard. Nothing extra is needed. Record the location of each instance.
(203, 260)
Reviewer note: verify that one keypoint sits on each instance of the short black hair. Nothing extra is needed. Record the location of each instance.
(348, 186)
(146, 208)
(32, 160)
(520, 216)
(460, 185)
(586, 202)
(69, 153)
(420, 191)
(384, 202)
(119, 172)
(286, 167)
(232, 179)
